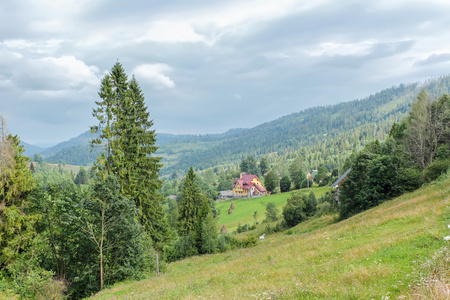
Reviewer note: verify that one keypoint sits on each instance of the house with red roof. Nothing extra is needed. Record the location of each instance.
(248, 186)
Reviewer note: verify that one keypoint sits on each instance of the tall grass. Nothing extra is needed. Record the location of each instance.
(373, 255)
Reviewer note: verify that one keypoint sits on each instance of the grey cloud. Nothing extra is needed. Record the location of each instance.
(434, 59)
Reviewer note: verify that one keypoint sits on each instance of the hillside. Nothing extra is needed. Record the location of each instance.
(324, 135)
(377, 254)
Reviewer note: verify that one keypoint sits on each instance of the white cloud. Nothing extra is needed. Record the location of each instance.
(54, 73)
(337, 48)
(153, 74)
(171, 32)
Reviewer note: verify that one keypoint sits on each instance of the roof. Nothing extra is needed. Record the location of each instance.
(340, 179)
(246, 182)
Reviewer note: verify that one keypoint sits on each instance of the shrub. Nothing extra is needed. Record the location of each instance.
(271, 212)
(435, 169)
(294, 210)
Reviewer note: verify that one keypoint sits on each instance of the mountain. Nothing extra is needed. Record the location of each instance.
(321, 135)
(30, 150)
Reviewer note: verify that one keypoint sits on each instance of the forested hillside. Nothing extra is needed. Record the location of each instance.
(321, 135)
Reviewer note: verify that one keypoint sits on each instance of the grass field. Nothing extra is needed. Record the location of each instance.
(374, 255)
(244, 208)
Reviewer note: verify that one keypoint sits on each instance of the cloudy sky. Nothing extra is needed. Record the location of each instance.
(208, 66)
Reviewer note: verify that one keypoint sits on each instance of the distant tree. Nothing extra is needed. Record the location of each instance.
(271, 181)
(190, 204)
(285, 184)
(82, 177)
(321, 174)
(248, 165)
(209, 235)
(203, 211)
(379, 172)
(427, 128)
(38, 158)
(294, 210)
(263, 165)
(271, 212)
(311, 205)
(296, 173)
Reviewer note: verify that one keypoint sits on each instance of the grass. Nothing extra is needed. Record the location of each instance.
(246, 207)
(374, 255)
(73, 168)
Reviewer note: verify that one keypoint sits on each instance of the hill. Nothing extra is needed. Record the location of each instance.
(377, 254)
(30, 150)
(323, 135)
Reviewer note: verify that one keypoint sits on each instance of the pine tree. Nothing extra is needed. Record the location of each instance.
(189, 204)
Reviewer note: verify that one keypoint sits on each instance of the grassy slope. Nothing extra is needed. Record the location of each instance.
(245, 208)
(370, 255)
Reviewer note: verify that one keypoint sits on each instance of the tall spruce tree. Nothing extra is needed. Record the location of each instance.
(125, 132)
(190, 204)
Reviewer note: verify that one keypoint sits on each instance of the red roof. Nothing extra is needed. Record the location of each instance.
(246, 183)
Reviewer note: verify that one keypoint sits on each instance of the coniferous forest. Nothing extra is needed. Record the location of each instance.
(67, 235)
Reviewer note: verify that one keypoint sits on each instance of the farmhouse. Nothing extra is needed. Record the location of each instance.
(248, 186)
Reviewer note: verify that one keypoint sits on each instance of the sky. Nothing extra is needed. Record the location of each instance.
(209, 66)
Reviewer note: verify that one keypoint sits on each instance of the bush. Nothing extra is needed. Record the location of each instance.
(324, 208)
(435, 169)
(183, 247)
(271, 212)
(294, 210)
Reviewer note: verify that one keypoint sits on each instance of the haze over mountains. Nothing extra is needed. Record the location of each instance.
(330, 132)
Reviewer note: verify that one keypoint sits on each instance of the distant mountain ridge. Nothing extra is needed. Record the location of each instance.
(324, 135)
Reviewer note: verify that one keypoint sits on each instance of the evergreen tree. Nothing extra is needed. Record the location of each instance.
(263, 165)
(16, 226)
(82, 177)
(311, 204)
(203, 211)
(209, 235)
(190, 204)
(285, 184)
(125, 132)
(271, 181)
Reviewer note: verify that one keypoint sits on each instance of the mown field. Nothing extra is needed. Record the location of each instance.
(244, 208)
(377, 254)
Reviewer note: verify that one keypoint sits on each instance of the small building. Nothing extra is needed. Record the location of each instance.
(336, 186)
(225, 195)
(338, 183)
(248, 186)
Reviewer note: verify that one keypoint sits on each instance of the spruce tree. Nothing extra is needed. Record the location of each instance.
(189, 205)
(16, 226)
(125, 132)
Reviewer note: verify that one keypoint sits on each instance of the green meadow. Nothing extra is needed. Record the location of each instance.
(377, 254)
(244, 208)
